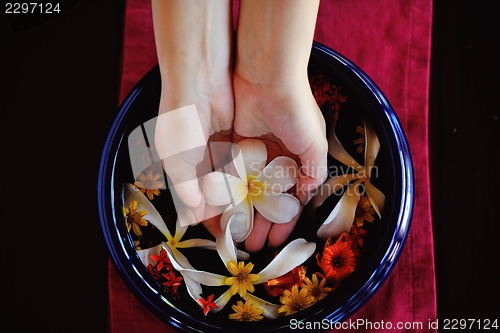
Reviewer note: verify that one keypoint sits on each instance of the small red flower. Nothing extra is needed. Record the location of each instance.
(207, 304)
(162, 260)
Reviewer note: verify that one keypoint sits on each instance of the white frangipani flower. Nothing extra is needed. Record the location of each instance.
(173, 243)
(256, 185)
(242, 280)
(342, 216)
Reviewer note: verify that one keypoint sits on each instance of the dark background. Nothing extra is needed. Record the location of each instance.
(59, 93)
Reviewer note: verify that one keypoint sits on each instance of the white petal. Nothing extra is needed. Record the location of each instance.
(332, 185)
(145, 254)
(222, 300)
(372, 146)
(279, 175)
(179, 230)
(336, 149)
(242, 225)
(197, 242)
(376, 197)
(292, 255)
(270, 309)
(130, 193)
(202, 277)
(221, 188)
(342, 216)
(277, 208)
(225, 245)
(178, 256)
(254, 157)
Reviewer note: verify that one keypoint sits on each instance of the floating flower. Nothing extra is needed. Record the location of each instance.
(342, 216)
(173, 243)
(360, 141)
(247, 311)
(162, 260)
(149, 183)
(338, 260)
(316, 288)
(326, 92)
(242, 280)
(172, 282)
(364, 211)
(294, 301)
(292, 255)
(295, 277)
(207, 304)
(133, 218)
(256, 185)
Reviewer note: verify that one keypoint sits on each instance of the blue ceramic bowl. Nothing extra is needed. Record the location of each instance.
(386, 236)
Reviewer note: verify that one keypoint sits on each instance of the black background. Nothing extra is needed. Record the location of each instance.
(58, 97)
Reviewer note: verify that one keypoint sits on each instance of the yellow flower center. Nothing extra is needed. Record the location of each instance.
(241, 280)
(246, 316)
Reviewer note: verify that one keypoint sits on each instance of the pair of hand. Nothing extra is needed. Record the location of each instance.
(286, 118)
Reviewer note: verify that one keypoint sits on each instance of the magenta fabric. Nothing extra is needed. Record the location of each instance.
(390, 40)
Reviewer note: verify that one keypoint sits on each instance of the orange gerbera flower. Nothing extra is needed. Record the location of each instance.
(149, 183)
(364, 211)
(338, 260)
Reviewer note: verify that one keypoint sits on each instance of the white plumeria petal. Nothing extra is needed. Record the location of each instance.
(145, 254)
(225, 245)
(372, 146)
(222, 300)
(254, 153)
(242, 224)
(376, 197)
(221, 188)
(177, 255)
(342, 216)
(277, 208)
(202, 277)
(279, 175)
(130, 193)
(197, 242)
(336, 149)
(292, 255)
(270, 309)
(179, 229)
(332, 185)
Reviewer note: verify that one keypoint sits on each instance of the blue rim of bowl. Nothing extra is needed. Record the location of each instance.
(135, 276)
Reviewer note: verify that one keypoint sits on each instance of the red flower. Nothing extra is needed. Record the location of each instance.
(207, 304)
(162, 260)
(295, 277)
(338, 260)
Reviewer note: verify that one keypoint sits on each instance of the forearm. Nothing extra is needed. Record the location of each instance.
(194, 45)
(274, 39)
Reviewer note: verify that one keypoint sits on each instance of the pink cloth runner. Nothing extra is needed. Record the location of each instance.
(390, 41)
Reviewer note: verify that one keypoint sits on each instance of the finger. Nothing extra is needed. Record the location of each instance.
(313, 169)
(258, 237)
(279, 233)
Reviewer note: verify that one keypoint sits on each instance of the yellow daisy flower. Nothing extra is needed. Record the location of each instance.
(247, 311)
(134, 219)
(241, 280)
(295, 301)
(364, 212)
(315, 288)
(149, 184)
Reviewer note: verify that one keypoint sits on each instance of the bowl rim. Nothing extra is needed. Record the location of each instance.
(124, 258)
